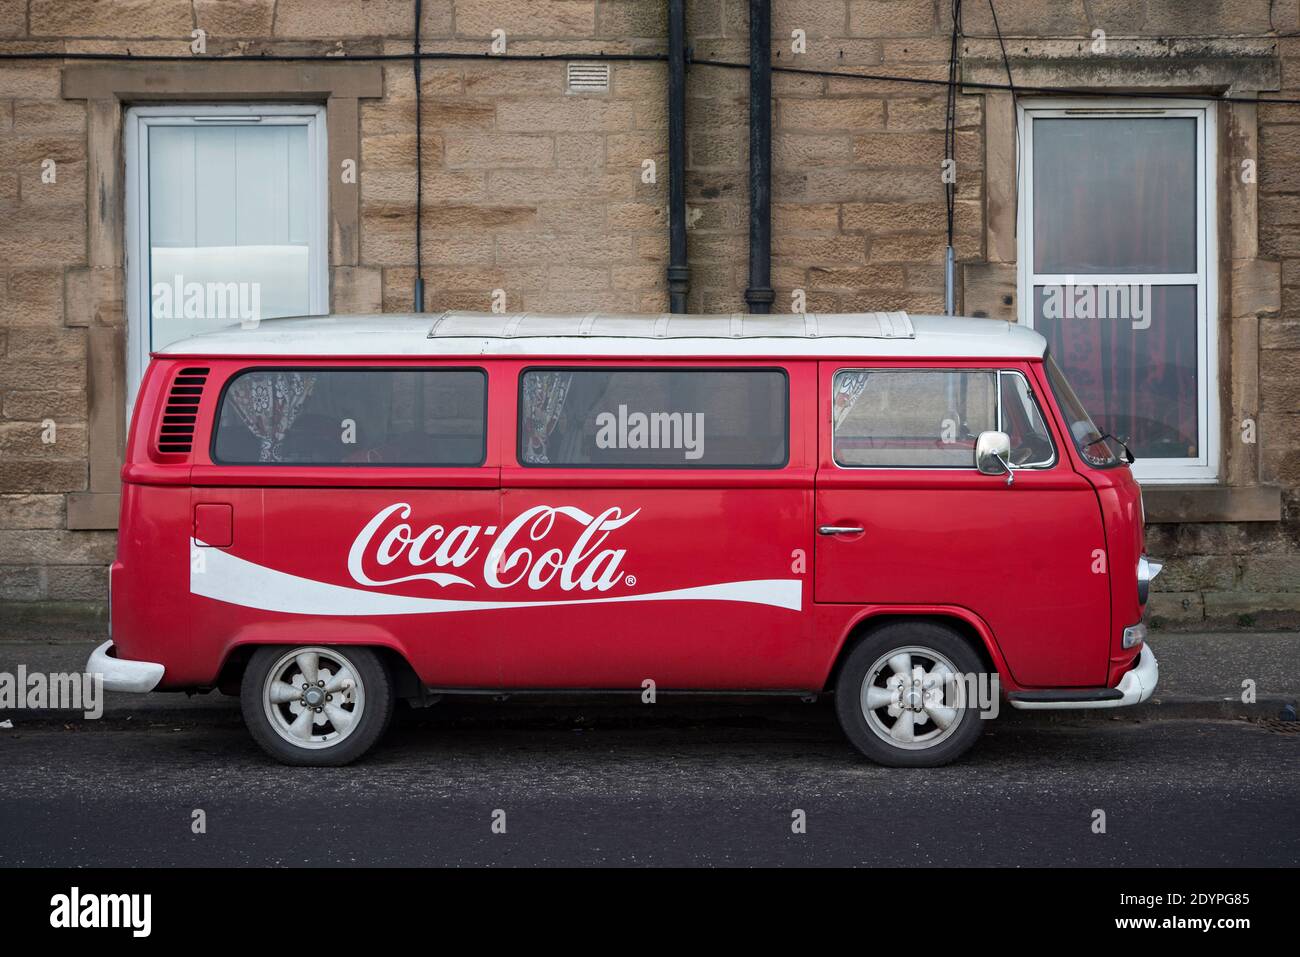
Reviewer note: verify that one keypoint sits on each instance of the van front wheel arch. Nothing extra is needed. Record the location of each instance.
(905, 694)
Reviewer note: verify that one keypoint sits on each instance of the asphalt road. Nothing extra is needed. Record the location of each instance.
(682, 784)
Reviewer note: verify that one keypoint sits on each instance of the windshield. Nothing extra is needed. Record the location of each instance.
(1101, 452)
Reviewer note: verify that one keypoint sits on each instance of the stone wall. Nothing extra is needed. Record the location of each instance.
(541, 194)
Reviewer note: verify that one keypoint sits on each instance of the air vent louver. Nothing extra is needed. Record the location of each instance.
(177, 431)
(588, 78)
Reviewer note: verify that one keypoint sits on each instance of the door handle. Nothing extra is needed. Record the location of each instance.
(840, 530)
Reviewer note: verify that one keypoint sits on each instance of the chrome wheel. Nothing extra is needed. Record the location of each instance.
(313, 697)
(913, 698)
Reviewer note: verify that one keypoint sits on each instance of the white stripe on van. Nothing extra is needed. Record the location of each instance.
(227, 578)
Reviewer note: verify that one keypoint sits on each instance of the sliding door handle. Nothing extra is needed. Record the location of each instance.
(840, 530)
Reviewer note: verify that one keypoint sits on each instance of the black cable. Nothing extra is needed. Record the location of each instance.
(1011, 85)
(967, 85)
(950, 161)
(419, 171)
(1283, 35)
(324, 57)
(1020, 89)
(950, 117)
(1006, 61)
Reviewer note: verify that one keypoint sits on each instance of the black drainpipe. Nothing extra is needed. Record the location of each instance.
(759, 295)
(419, 174)
(678, 271)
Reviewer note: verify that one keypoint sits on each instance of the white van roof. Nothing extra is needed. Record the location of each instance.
(875, 334)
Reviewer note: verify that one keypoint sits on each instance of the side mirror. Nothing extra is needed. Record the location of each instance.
(992, 454)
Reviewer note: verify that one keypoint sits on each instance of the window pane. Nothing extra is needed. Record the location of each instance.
(228, 226)
(647, 418)
(900, 419)
(1020, 418)
(1114, 195)
(1136, 375)
(353, 417)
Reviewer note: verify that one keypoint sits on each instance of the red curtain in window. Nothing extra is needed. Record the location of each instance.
(1112, 196)
(1139, 384)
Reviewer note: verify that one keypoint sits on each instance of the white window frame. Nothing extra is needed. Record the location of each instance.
(138, 122)
(1205, 468)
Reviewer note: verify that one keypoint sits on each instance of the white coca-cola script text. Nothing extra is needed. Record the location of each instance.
(516, 556)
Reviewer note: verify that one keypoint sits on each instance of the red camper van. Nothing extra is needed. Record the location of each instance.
(324, 515)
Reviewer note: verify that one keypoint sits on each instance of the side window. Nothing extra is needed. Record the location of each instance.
(654, 418)
(432, 417)
(890, 418)
(931, 418)
(1021, 419)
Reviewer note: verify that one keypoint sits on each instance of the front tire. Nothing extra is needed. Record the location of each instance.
(898, 702)
(316, 705)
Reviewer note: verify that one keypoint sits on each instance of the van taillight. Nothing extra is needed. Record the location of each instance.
(176, 433)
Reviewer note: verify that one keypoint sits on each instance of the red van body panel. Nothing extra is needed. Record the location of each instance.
(1019, 556)
(149, 579)
(1121, 510)
(1120, 499)
(587, 578)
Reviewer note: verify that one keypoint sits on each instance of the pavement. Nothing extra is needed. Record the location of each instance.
(1196, 777)
(1201, 674)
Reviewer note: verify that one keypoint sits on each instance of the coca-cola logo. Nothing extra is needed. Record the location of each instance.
(517, 554)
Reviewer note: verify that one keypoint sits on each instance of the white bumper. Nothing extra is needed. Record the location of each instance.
(121, 674)
(1134, 688)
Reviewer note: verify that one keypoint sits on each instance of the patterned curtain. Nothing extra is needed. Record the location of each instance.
(849, 387)
(1139, 384)
(269, 404)
(544, 397)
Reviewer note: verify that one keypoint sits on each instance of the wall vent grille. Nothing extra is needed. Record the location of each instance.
(588, 78)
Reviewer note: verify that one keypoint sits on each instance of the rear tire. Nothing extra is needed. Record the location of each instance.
(894, 703)
(316, 705)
